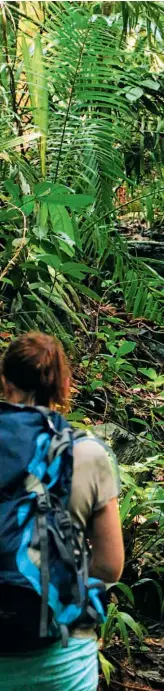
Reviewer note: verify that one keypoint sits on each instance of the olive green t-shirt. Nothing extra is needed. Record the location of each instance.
(94, 483)
(94, 480)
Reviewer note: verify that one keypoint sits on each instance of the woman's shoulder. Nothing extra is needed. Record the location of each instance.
(90, 449)
(94, 477)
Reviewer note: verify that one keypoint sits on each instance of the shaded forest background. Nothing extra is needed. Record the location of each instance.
(82, 247)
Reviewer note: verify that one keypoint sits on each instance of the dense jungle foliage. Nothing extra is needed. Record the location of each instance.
(82, 247)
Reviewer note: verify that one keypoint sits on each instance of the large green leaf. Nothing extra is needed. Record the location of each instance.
(132, 624)
(13, 189)
(61, 221)
(57, 194)
(73, 201)
(89, 292)
(125, 506)
(38, 91)
(29, 75)
(40, 85)
(28, 204)
(83, 268)
(126, 591)
(43, 214)
(50, 260)
(43, 189)
(148, 372)
(125, 348)
(134, 94)
(151, 84)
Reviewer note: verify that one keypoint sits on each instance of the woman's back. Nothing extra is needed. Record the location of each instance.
(35, 372)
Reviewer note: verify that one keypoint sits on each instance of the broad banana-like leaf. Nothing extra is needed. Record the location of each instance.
(38, 92)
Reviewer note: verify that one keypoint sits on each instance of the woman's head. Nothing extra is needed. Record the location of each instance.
(35, 370)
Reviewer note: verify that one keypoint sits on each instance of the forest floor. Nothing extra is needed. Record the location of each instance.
(144, 671)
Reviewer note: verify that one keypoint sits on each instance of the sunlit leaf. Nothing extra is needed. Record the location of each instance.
(107, 667)
(133, 625)
(61, 221)
(125, 348)
(148, 372)
(134, 94)
(151, 84)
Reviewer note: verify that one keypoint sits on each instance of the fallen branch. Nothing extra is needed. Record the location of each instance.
(12, 261)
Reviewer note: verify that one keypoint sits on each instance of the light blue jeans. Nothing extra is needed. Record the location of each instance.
(53, 669)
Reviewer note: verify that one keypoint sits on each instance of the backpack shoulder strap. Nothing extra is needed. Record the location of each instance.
(60, 440)
(46, 415)
(79, 434)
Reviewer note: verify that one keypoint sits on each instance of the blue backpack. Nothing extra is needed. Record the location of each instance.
(44, 584)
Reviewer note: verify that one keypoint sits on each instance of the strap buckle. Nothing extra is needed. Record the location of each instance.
(65, 520)
(43, 502)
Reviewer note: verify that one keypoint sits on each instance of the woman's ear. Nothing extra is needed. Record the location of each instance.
(4, 383)
(9, 390)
